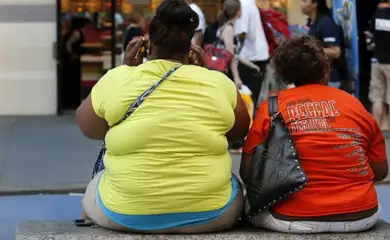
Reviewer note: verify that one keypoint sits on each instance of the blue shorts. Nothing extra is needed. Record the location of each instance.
(170, 220)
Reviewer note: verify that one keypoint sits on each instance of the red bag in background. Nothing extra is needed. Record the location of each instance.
(218, 59)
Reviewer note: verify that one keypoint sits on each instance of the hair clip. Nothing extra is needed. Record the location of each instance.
(192, 20)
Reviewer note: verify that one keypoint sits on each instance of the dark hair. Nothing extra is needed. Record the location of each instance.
(172, 29)
(322, 8)
(229, 11)
(300, 61)
(78, 23)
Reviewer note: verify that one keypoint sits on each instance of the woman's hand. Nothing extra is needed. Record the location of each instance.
(368, 34)
(238, 82)
(196, 56)
(135, 51)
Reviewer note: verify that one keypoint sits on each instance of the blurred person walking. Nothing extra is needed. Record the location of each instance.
(379, 93)
(73, 40)
(200, 30)
(276, 30)
(324, 28)
(134, 29)
(231, 11)
(253, 46)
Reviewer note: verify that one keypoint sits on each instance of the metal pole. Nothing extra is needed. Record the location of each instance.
(60, 60)
(113, 34)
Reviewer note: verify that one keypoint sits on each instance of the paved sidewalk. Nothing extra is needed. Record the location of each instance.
(48, 155)
(44, 154)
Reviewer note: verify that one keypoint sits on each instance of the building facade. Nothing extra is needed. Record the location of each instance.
(28, 72)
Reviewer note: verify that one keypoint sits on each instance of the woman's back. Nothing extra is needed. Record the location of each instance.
(336, 139)
(173, 148)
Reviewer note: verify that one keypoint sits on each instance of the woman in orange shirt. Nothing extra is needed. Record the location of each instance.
(341, 148)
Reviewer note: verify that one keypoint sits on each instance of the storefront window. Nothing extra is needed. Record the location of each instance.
(102, 40)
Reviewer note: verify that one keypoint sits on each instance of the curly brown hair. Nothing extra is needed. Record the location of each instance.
(300, 61)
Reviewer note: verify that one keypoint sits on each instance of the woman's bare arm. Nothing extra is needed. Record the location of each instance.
(73, 38)
(228, 38)
(90, 124)
(332, 52)
(380, 170)
(242, 121)
(248, 63)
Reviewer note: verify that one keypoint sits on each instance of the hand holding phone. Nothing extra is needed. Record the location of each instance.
(196, 56)
(135, 52)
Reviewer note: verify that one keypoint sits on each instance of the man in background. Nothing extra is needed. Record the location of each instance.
(134, 29)
(198, 36)
(380, 68)
(254, 46)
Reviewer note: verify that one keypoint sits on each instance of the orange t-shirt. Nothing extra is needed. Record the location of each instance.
(336, 139)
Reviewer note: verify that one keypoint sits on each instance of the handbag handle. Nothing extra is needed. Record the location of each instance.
(144, 95)
(272, 105)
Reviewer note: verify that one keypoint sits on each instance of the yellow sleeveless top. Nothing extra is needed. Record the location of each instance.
(171, 155)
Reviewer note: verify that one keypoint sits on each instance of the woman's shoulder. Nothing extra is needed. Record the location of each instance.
(327, 20)
(120, 70)
(216, 77)
(212, 75)
(339, 96)
(228, 28)
(116, 75)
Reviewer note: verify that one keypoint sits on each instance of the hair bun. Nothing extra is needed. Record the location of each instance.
(177, 13)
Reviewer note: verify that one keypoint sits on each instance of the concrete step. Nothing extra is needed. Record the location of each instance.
(52, 230)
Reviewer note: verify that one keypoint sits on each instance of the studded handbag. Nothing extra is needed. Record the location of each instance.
(275, 171)
(99, 164)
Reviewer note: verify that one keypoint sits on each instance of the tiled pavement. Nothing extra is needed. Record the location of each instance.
(47, 154)
(43, 154)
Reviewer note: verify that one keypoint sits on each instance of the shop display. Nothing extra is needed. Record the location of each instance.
(97, 48)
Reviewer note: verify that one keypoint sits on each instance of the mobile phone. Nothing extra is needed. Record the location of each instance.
(144, 49)
(142, 52)
(83, 223)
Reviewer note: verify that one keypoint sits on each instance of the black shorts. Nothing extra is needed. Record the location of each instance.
(252, 79)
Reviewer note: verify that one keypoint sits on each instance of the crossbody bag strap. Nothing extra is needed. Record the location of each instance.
(144, 95)
(272, 105)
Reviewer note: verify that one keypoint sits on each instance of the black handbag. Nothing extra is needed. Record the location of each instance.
(275, 171)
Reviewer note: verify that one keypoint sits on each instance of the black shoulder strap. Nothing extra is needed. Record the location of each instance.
(272, 105)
